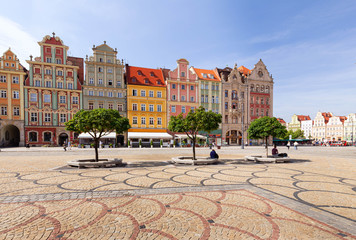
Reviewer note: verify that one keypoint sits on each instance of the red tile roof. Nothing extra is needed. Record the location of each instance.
(303, 117)
(281, 120)
(245, 71)
(326, 116)
(342, 118)
(144, 76)
(201, 72)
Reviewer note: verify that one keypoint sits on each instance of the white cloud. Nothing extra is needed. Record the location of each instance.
(22, 43)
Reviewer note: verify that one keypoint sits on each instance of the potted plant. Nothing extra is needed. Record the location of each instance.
(161, 143)
(128, 143)
(92, 145)
(110, 145)
(151, 143)
(139, 143)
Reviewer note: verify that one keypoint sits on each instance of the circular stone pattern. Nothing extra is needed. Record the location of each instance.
(198, 161)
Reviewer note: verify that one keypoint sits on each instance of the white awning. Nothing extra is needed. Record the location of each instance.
(106, 135)
(184, 136)
(150, 135)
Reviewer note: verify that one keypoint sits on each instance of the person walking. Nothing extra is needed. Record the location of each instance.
(69, 145)
(288, 145)
(295, 145)
(65, 147)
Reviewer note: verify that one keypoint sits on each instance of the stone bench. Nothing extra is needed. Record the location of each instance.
(92, 163)
(198, 161)
(269, 159)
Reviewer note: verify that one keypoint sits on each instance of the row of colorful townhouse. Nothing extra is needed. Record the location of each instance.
(325, 127)
(36, 103)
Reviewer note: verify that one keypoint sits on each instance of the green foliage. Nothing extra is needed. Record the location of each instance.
(295, 134)
(199, 120)
(266, 126)
(97, 123)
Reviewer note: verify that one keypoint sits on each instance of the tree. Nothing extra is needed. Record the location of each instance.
(295, 134)
(264, 127)
(97, 123)
(195, 121)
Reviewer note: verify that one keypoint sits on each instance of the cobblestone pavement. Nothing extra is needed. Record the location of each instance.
(305, 199)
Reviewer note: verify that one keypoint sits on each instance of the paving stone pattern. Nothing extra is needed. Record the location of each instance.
(234, 200)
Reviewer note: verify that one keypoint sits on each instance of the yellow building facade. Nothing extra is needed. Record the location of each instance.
(146, 107)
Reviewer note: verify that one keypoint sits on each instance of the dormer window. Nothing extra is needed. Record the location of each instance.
(211, 76)
(139, 72)
(9, 57)
(147, 81)
(205, 75)
(133, 79)
(152, 74)
(158, 82)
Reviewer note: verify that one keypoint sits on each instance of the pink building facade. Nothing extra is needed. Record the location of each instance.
(182, 89)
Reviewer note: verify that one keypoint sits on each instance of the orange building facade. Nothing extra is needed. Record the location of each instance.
(12, 75)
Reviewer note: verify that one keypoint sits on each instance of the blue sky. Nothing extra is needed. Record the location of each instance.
(308, 46)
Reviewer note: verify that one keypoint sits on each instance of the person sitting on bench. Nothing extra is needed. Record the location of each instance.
(276, 154)
(213, 154)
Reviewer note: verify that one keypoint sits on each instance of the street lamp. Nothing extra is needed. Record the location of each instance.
(243, 116)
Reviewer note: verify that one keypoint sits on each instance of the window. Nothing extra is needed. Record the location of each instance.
(62, 118)
(100, 69)
(183, 109)
(143, 107)
(100, 81)
(262, 100)
(213, 87)
(16, 111)
(62, 99)
(159, 121)
(15, 79)
(47, 98)
(183, 98)
(91, 93)
(267, 110)
(217, 87)
(151, 120)
(173, 85)
(139, 72)
(262, 112)
(257, 100)
(251, 111)
(150, 108)
(134, 106)
(3, 110)
(226, 105)
(91, 106)
(134, 92)
(206, 86)
(192, 99)
(119, 84)
(134, 120)
(150, 94)
(15, 95)
(159, 94)
(159, 108)
(110, 94)
(60, 84)
(120, 107)
(119, 94)
(91, 80)
(202, 86)
(205, 75)
(109, 70)
(33, 117)
(47, 136)
(192, 88)
(109, 60)
(2, 78)
(206, 98)
(192, 109)
(60, 73)
(251, 99)
(47, 117)
(267, 101)
(110, 106)
(226, 119)
(101, 94)
(3, 94)
(49, 60)
(48, 71)
(32, 136)
(211, 76)
(182, 74)
(143, 93)
(213, 99)
(33, 97)
(59, 61)
(48, 84)
(110, 82)
(217, 99)
(143, 120)
(75, 100)
(183, 87)
(257, 112)
(70, 85)
(202, 98)
(174, 97)
(101, 105)
(173, 109)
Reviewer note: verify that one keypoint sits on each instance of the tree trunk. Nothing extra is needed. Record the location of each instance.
(96, 150)
(194, 158)
(266, 147)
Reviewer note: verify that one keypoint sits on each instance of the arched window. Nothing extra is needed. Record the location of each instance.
(257, 88)
(47, 136)
(262, 88)
(32, 136)
(267, 89)
(234, 119)
(100, 69)
(252, 87)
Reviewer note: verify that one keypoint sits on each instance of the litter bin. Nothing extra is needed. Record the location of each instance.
(219, 147)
